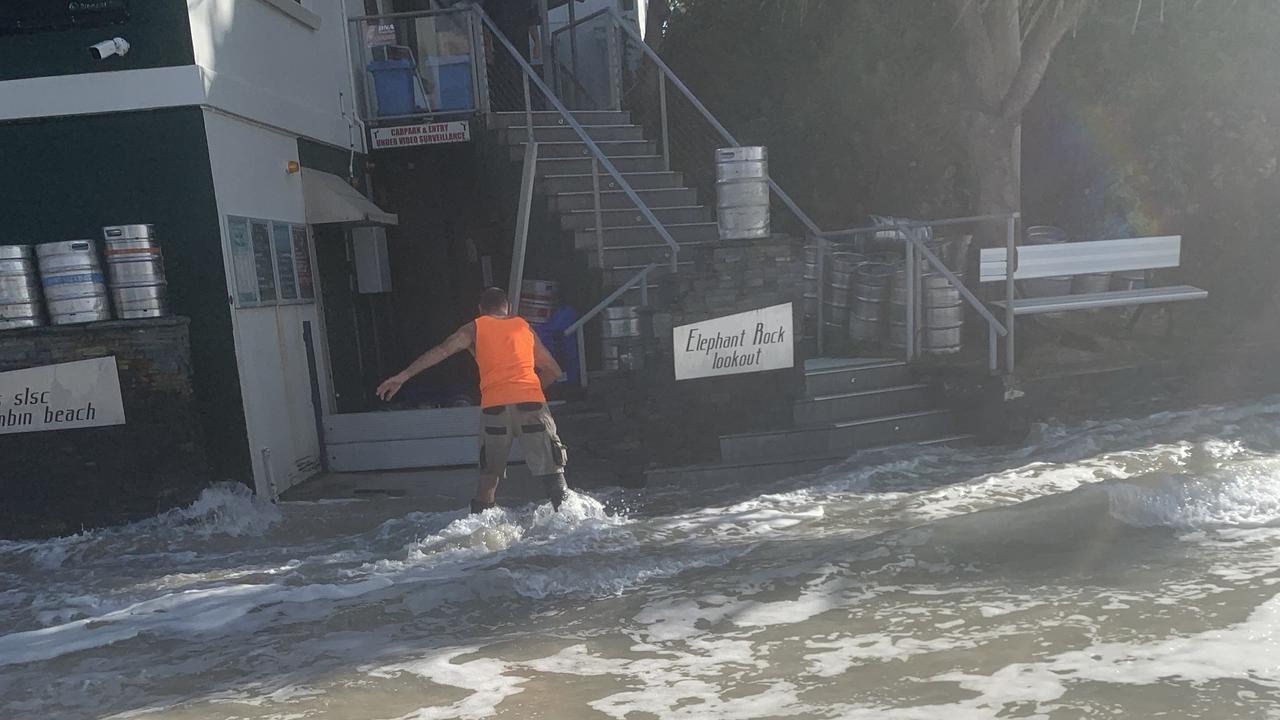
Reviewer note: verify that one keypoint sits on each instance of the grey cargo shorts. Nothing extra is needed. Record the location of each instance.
(532, 423)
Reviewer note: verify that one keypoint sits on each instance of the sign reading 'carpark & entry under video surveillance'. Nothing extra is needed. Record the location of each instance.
(421, 134)
(747, 342)
(67, 396)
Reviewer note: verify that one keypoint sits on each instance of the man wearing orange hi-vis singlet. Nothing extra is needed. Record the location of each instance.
(514, 369)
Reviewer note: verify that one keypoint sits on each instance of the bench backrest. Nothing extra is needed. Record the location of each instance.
(1038, 261)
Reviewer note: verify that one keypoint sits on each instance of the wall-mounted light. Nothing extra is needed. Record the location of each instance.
(293, 168)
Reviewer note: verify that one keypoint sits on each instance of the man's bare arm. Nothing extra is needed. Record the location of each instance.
(546, 366)
(461, 340)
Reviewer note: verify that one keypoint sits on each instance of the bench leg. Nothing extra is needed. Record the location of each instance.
(1134, 318)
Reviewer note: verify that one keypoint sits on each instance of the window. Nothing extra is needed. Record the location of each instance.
(270, 262)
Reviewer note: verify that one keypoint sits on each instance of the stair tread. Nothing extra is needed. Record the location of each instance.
(589, 193)
(611, 158)
(709, 223)
(820, 366)
(866, 393)
(631, 210)
(789, 459)
(623, 172)
(841, 424)
(580, 142)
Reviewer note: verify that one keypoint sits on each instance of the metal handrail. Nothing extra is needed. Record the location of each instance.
(914, 245)
(576, 327)
(669, 74)
(613, 296)
(531, 76)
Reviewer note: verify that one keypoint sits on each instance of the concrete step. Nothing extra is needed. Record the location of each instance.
(641, 255)
(837, 438)
(611, 149)
(855, 376)
(879, 402)
(627, 217)
(553, 117)
(619, 274)
(637, 181)
(565, 133)
(582, 165)
(617, 199)
(779, 469)
(646, 235)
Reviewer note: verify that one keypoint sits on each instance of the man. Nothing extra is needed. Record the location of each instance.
(515, 367)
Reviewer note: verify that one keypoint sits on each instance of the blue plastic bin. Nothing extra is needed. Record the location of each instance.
(563, 349)
(393, 84)
(453, 82)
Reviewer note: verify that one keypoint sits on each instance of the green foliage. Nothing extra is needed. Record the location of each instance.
(854, 99)
(1168, 126)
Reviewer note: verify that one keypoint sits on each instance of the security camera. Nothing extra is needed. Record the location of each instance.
(107, 48)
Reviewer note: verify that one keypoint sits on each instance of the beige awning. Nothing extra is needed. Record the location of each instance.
(330, 199)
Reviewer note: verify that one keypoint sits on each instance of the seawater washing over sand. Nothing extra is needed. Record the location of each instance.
(1120, 569)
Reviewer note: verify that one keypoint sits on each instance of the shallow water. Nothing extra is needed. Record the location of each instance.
(1122, 569)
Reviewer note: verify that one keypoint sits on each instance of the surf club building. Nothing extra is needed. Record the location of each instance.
(324, 183)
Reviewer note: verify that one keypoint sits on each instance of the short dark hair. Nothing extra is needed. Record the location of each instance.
(493, 300)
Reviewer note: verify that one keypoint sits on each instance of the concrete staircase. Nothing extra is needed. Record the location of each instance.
(847, 405)
(564, 179)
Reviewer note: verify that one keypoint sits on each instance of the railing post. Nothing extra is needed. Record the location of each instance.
(911, 299)
(595, 206)
(479, 68)
(582, 356)
(528, 110)
(1010, 267)
(821, 245)
(666, 133)
(992, 363)
(521, 244)
(644, 292)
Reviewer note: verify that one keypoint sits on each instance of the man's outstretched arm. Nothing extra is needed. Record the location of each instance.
(461, 340)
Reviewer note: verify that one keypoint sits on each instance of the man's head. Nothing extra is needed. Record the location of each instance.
(493, 301)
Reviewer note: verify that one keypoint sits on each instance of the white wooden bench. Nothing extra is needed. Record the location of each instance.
(1042, 261)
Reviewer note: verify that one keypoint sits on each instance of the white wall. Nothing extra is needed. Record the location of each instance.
(289, 71)
(250, 180)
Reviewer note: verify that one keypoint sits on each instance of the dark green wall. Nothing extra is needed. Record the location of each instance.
(158, 31)
(66, 178)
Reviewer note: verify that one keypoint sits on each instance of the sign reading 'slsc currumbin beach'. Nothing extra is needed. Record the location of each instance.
(747, 342)
(67, 396)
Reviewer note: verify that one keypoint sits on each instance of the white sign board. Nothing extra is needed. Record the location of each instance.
(61, 397)
(424, 134)
(748, 342)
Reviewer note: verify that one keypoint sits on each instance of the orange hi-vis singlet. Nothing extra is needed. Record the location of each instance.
(504, 352)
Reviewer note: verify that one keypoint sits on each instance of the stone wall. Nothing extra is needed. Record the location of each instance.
(56, 483)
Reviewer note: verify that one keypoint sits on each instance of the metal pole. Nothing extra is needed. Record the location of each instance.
(911, 299)
(1010, 268)
(528, 110)
(573, 52)
(582, 356)
(599, 217)
(479, 68)
(521, 244)
(821, 273)
(544, 22)
(666, 135)
(992, 353)
(644, 292)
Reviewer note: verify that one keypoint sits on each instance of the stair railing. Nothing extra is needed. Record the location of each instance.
(530, 81)
(659, 115)
(918, 256)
